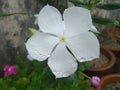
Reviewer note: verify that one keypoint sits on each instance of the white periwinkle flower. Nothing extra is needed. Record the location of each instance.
(59, 34)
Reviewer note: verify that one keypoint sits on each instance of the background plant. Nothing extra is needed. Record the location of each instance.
(37, 76)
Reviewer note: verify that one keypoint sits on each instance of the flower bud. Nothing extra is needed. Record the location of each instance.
(95, 81)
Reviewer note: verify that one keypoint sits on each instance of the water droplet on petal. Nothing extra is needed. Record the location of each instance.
(74, 65)
(82, 59)
(56, 72)
(61, 74)
(90, 58)
(48, 55)
(65, 74)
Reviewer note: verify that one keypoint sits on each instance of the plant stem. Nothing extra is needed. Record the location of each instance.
(24, 13)
(85, 75)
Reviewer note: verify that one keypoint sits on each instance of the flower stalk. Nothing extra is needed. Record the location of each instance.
(18, 13)
(86, 75)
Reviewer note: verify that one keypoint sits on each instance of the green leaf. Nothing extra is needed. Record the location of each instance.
(76, 2)
(3, 85)
(84, 66)
(13, 88)
(81, 67)
(106, 21)
(87, 65)
(110, 6)
(18, 13)
(32, 30)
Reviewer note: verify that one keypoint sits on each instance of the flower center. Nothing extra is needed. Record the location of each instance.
(9, 69)
(62, 39)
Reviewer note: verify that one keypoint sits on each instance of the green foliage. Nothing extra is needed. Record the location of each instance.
(106, 21)
(90, 4)
(36, 75)
(109, 40)
(19, 13)
(84, 66)
(109, 6)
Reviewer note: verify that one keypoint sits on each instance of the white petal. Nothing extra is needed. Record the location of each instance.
(30, 58)
(77, 20)
(40, 45)
(85, 46)
(50, 21)
(61, 62)
(94, 29)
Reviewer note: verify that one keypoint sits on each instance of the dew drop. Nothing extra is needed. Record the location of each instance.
(48, 55)
(90, 58)
(74, 65)
(65, 74)
(56, 72)
(82, 59)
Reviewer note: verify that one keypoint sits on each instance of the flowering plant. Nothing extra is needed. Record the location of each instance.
(62, 42)
(56, 39)
(36, 75)
(10, 70)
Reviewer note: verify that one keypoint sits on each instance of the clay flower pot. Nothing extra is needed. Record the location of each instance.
(100, 71)
(115, 32)
(111, 78)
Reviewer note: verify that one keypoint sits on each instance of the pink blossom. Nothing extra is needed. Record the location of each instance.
(10, 70)
(95, 81)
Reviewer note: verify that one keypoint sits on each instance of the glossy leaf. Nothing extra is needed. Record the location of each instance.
(19, 13)
(105, 21)
(110, 6)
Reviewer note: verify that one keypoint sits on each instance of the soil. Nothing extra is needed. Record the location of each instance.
(113, 46)
(109, 41)
(100, 62)
(112, 86)
(115, 31)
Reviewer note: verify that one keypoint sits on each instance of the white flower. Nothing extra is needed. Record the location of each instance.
(60, 34)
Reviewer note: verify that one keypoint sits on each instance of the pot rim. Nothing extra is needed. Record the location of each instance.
(108, 79)
(117, 37)
(108, 30)
(111, 57)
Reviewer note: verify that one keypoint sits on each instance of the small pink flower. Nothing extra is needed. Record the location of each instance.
(95, 81)
(10, 70)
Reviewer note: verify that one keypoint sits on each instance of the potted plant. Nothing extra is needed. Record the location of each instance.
(101, 65)
(115, 32)
(110, 41)
(109, 82)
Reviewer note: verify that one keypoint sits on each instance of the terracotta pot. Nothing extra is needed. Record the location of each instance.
(115, 51)
(101, 71)
(111, 78)
(115, 32)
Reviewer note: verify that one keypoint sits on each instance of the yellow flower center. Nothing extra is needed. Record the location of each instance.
(62, 39)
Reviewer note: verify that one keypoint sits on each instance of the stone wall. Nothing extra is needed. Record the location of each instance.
(14, 29)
